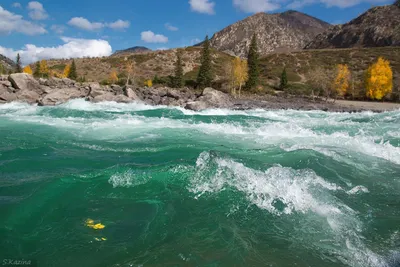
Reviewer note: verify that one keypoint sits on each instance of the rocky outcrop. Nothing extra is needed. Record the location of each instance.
(54, 91)
(281, 32)
(379, 26)
(24, 81)
(210, 98)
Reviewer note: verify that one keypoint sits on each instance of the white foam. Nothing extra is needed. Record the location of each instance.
(357, 190)
(128, 178)
(300, 191)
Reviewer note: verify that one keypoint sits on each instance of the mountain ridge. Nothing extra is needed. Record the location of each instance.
(377, 27)
(278, 32)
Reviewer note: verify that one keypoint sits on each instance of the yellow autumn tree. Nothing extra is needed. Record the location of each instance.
(148, 83)
(240, 73)
(342, 81)
(67, 69)
(379, 79)
(28, 70)
(43, 69)
(113, 77)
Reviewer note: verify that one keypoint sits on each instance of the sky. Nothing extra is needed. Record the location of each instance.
(87, 28)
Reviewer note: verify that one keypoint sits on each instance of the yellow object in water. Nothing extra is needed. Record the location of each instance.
(90, 223)
(97, 226)
(103, 238)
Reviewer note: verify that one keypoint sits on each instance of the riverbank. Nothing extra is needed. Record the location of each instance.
(23, 87)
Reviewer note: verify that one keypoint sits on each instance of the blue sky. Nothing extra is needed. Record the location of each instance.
(53, 28)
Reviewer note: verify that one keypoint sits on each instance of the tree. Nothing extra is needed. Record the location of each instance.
(320, 81)
(230, 76)
(284, 80)
(342, 81)
(27, 69)
(113, 77)
(253, 62)
(18, 67)
(2, 69)
(67, 70)
(156, 80)
(240, 73)
(148, 83)
(379, 79)
(178, 78)
(130, 68)
(43, 69)
(205, 75)
(37, 70)
(73, 75)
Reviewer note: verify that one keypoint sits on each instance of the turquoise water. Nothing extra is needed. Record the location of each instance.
(214, 188)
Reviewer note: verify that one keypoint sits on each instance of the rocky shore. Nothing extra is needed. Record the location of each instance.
(48, 92)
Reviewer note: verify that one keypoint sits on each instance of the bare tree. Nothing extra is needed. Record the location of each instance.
(321, 82)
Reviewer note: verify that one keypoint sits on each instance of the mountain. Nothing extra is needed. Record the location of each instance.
(6, 63)
(379, 26)
(280, 32)
(135, 49)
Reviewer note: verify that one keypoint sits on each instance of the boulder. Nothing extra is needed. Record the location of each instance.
(174, 94)
(24, 81)
(215, 98)
(197, 105)
(131, 94)
(6, 97)
(28, 96)
(61, 96)
(97, 90)
(111, 97)
(68, 82)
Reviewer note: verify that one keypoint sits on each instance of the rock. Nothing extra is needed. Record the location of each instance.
(68, 82)
(24, 81)
(43, 81)
(96, 90)
(111, 97)
(28, 96)
(61, 96)
(6, 97)
(131, 94)
(215, 98)
(5, 83)
(197, 105)
(174, 94)
(46, 89)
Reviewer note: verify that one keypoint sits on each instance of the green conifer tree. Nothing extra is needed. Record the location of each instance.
(36, 73)
(284, 80)
(253, 63)
(72, 73)
(18, 67)
(205, 75)
(178, 79)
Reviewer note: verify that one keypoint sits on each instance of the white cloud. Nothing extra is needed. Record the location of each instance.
(85, 24)
(254, 6)
(119, 24)
(59, 29)
(17, 5)
(332, 3)
(151, 37)
(162, 48)
(10, 22)
(72, 48)
(37, 12)
(169, 27)
(202, 6)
